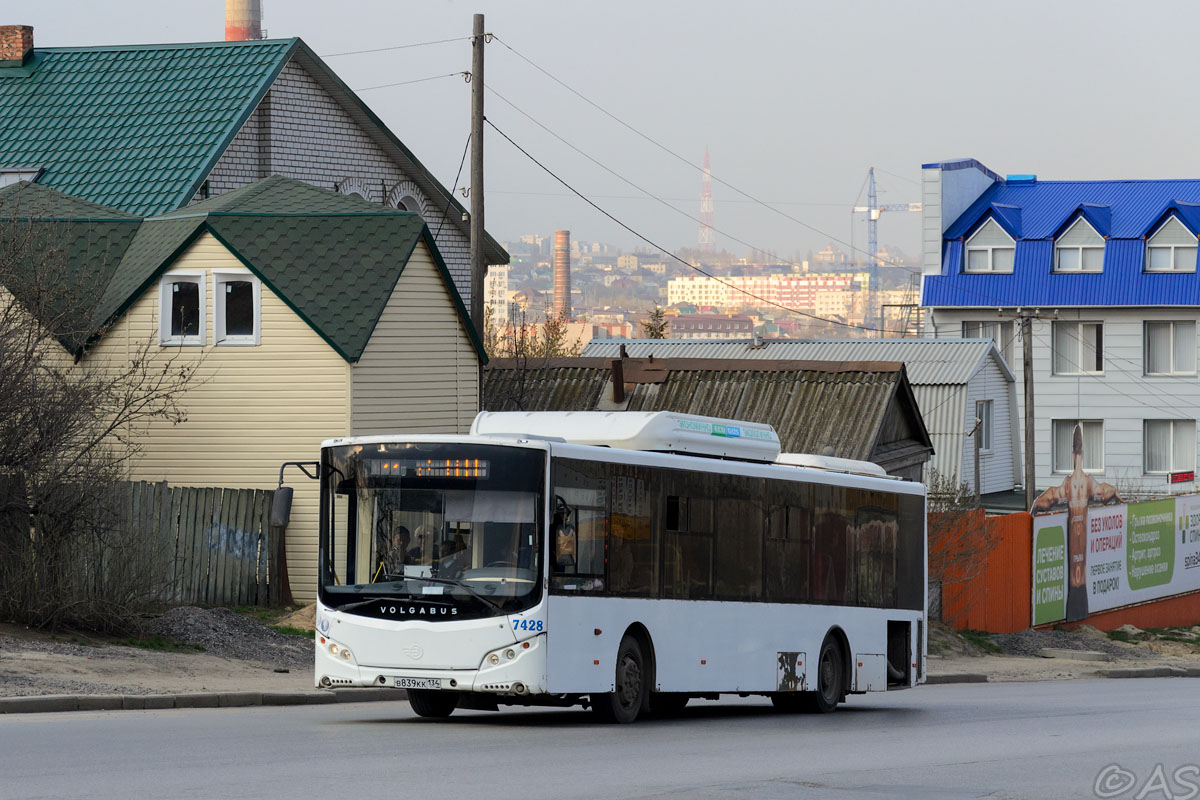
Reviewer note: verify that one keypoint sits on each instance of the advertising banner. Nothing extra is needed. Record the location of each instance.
(1132, 553)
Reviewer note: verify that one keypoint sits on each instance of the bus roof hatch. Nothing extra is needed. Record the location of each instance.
(660, 431)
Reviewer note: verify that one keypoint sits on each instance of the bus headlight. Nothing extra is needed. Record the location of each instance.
(510, 654)
(333, 649)
(345, 654)
(494, 659)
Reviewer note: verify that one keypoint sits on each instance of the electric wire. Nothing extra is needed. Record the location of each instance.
(677, 156)
(662, 249)
(626, 180)
(415, 80)
(396, 47)
(453, 188)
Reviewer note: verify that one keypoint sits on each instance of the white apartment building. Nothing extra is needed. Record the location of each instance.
(1108, 271)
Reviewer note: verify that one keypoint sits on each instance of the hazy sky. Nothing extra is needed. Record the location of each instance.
(795, 100)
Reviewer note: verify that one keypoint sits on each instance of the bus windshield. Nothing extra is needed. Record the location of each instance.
(454, 526)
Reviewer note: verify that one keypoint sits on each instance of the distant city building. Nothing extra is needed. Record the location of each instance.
(495, 294)
(786, 289)
(712, 326)
(628, 262)
(830, 255)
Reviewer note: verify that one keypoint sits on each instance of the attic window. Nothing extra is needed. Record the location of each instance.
(990, 249)
(237, 300)
(1079, 249)
(181, 309)
(1171, 248)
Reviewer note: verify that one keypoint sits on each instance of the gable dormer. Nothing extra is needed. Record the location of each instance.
(1171, 247)
(990, 248)
(1079, 248)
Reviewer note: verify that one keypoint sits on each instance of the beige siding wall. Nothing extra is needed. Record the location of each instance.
(419, 372)
(250, 409)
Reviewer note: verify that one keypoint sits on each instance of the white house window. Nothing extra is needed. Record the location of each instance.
(237, 298)
(1170, 348)
(1092, 441)
(181, 309)
(1171, 248)
(999, 332)
(1078, 348)
(990, 249)
(1080, 249)
(1169, 445)
(983, 413)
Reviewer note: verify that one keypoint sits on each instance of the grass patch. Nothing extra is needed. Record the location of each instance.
(290, 631)
(981, 640)
(159, 642)
(1122, 636)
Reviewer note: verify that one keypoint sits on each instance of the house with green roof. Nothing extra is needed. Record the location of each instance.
(309, 314)
(149, 129)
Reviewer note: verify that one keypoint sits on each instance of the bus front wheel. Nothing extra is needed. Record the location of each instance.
(624, 703)
(433, 703)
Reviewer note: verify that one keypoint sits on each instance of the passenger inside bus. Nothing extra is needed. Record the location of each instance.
(566, 539)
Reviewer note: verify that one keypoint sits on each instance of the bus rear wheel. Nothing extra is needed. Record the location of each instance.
(624, 703)
(432, 703)
(831, 674)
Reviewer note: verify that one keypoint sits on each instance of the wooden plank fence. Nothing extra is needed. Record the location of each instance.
(215, 546)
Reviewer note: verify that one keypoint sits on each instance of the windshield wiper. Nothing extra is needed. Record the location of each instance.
(367, 602)
(460, 584)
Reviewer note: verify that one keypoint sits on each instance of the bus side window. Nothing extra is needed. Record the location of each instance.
(577, 526)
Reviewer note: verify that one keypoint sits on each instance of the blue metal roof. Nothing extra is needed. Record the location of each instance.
(1124, 212)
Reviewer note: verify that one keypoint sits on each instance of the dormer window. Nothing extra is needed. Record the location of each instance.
(1171, 248)
(1080, 249)
(990, 249)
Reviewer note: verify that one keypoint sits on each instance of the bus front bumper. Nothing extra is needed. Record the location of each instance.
(518, 669)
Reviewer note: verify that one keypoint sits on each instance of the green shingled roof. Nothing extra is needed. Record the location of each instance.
(139, 127)
(131, 127)
(335, 265)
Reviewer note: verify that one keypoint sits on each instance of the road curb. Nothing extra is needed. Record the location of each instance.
(42, 704)
(1149, 672)
(957, 677)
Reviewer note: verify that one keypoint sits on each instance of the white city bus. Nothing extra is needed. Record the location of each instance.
(623, 561)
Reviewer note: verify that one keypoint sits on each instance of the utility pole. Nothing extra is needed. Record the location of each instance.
(1027, 359)
(478, 265)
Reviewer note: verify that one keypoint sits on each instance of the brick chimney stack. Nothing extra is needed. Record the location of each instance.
(16, 44)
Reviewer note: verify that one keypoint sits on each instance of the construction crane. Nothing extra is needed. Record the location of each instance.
(872, 209)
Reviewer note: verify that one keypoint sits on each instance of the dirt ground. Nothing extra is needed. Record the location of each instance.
(219, 650)
(1015, 657)
(188, 650)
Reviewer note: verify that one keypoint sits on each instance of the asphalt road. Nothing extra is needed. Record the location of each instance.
(1013, 740)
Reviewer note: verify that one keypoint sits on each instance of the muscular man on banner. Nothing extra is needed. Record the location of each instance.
(1077, 492)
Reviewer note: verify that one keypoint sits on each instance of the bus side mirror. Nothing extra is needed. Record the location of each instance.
(281, 507)
(281, 503)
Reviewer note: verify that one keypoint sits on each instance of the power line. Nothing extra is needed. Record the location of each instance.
(621, 177)
(677, 156)
(662, 249)
(415, 80)
(453, 188)
(673, 199)
(396, 47)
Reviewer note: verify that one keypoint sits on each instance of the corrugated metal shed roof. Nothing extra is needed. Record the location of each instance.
(1125, 211)
(928, 361)
(861, 413)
